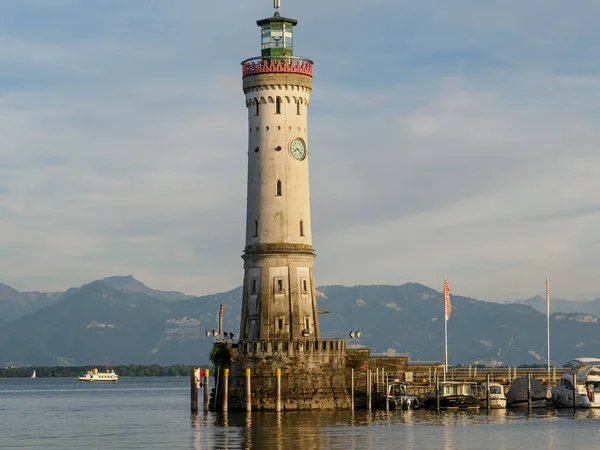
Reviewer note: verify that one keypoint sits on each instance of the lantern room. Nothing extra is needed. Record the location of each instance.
(277, 36)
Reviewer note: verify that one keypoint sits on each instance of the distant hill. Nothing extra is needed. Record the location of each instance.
(121, 319)
(15, 304)
(102, 322)
(566, 306)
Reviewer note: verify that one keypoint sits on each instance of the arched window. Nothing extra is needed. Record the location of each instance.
(257, 108)
(278, 189)
(255, 228)
(302, 228)
(278, 105)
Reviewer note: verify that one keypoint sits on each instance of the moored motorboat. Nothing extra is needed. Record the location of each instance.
(453, 395)
(496, 396)
(517, 394)
(587, 384)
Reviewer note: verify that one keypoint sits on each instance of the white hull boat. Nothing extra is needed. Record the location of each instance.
(497, 397)
(587, 385)
(94, 376)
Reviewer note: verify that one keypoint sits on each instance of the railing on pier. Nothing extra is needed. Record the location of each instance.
(277, 64)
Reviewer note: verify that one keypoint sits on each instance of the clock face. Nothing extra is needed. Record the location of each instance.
(298, 149)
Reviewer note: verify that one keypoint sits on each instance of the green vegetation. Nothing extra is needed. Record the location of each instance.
(131, 370)
(221, 355)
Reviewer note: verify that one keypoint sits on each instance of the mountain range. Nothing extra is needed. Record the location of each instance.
(126, 322)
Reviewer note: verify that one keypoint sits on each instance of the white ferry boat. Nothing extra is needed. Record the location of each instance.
(95, 376)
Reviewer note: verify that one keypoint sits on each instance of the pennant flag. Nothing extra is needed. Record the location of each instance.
(447, 306)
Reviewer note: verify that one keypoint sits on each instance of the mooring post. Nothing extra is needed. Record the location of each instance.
(368, 389)
(487, 394)
(225, 389)
(206, 383)
(352, 390)
(194, 390)
(574, 391)
(529, 391)
(387, 398)
(437, 393)
(221, 310)
(278, 407)
(248, 392)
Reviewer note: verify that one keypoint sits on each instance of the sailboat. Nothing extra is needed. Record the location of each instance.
(33, 374)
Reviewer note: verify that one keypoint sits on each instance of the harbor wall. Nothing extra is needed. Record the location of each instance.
(312, 376)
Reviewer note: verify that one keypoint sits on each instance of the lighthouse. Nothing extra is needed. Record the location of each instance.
(279, 301)
(279, 328)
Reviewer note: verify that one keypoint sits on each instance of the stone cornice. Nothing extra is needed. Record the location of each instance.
(278, 249)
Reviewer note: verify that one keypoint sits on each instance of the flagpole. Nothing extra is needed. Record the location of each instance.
(445, 347)
(447, 309)
(548, 322)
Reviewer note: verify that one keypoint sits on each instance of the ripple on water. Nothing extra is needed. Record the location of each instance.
(154, 414)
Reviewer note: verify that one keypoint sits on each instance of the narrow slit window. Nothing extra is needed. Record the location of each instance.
(254, 286)
(278, 105)
(302, 228)
(304, 286)
(255, 228)
(280, 285)
(280, 323)
(278, 189)
(257, 108)
(307, 323)
(298, 107)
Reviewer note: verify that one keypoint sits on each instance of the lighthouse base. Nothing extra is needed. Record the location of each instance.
(312, 376)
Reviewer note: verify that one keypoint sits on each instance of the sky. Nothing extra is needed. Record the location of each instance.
(447, 139)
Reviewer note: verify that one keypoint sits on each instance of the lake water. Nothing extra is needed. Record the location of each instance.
(153, 413)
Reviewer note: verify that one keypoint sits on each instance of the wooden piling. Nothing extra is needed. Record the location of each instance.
(248, 392)
(529, 392)
(194, 390)
(487, 394)
(352, 390)
(574, 391)
(437, 393)
(225, 390)
(387, 399)
(369, 387)
(206, 387)
(278, 407)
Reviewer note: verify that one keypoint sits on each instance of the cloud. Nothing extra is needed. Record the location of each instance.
(454, 140)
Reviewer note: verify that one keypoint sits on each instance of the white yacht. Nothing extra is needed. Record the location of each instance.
(587, 384)
(497, 397)
(95, 376)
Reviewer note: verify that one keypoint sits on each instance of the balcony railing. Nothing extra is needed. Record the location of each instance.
(277, 64)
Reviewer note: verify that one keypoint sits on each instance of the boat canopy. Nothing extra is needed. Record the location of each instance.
(577, 362)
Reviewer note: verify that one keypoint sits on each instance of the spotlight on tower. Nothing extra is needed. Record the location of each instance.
(208, 333)
(352, 335)
(358, 333)
(214, 333)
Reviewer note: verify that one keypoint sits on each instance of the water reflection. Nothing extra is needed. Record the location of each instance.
(415, 430)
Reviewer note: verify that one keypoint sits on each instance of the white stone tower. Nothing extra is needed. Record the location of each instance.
(279, 301)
